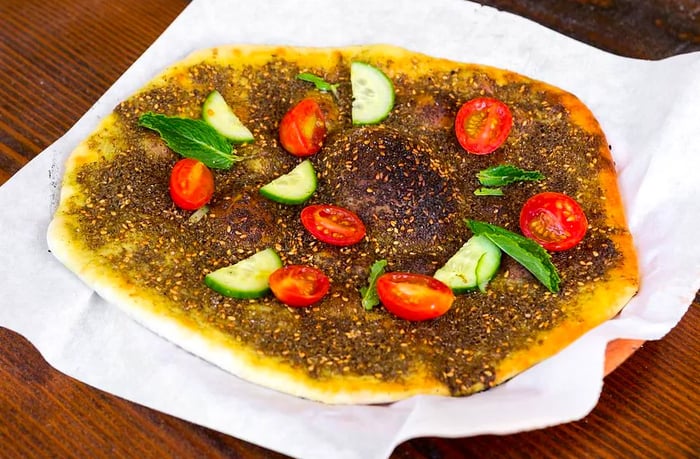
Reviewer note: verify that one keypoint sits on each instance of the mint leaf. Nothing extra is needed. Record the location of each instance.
(192, 139)
(488, 192)
(505, 174)
(523, 250)
(321, 84)
(370, 298)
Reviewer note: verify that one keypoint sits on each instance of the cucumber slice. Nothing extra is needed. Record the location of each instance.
(474, 264)
(217, 113)
(246, 279)
(294, 187)
(372, 94)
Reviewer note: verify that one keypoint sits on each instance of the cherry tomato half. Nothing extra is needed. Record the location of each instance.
(332, 224)
(191, 184)
(553, 220)
(299, 285)
(482, 125)
(414, 296)
(303, 128)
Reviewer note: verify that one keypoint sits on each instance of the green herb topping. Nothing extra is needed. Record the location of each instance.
(505, 174)
(321, 84)
(192, 138)
(523, 250)
(370, 298)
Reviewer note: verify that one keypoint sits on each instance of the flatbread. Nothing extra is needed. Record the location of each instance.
(407, 178)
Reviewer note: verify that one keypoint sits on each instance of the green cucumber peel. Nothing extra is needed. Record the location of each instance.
(219, 115)
(481, 283)
(525, 251)
(472, 266)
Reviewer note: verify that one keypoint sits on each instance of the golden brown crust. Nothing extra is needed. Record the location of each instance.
(594, 303)
(605, 298)
(212, 345)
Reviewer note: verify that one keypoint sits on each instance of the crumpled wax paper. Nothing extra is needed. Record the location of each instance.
(649, 111)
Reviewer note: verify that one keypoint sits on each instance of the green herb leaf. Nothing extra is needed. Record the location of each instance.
(488, 192)
(370, 298)
(192, 139)
(321, 84)
(505, 174)
(523, 250)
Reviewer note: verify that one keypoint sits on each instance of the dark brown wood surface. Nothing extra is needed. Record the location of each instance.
(57, 58)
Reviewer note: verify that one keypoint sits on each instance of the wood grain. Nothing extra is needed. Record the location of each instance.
(56, 60)
(649, 29)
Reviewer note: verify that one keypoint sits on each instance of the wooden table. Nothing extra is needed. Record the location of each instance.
(57, 58)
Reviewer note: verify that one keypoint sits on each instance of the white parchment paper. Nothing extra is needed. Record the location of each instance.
(649, 111)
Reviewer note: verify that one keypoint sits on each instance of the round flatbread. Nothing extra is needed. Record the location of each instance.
(407, 178)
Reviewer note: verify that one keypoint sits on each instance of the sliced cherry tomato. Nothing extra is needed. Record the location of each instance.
(332, 224)
(303, 128)
(553, 220)
(414, 296)
(482, 125)
(299, 285)
(191, 184)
